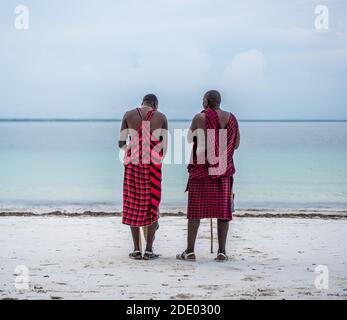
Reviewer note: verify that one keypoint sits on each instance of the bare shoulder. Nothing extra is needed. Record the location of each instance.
(159, 116)
(199, 117)
(199, 121)
(227, 114)
(130, 113)
(126, 115)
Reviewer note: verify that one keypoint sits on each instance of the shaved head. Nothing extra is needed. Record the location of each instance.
(212, 99)
(150, 100)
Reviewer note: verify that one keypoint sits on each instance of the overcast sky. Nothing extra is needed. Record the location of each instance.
(86, 58)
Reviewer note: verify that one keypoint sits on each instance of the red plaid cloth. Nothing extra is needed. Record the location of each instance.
(142, 181)
(210, 196)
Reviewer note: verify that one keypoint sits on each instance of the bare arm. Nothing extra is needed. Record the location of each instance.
(165, 123)
(123, 135)
(197, 131)
(197, 123)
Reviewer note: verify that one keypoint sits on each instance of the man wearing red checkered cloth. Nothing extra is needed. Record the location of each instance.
(146, 128)
(215, 135)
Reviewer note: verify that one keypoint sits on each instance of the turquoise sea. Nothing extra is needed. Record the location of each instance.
(76, 163)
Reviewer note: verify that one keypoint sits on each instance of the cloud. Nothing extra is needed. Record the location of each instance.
(95, 59)
(246, 72)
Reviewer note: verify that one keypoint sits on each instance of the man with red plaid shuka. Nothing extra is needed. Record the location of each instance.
(146, 128)
(215, 135)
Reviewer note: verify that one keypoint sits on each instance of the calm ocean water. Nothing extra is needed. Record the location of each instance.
(279, 165)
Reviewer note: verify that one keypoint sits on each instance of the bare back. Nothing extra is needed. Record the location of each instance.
(136, 116)
(133, 119)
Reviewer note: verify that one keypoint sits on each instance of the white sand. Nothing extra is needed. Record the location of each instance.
(86, 258)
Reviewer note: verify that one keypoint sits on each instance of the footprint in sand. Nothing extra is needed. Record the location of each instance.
(266, 292)
(252, 278)
(213, 286)
(181, 296)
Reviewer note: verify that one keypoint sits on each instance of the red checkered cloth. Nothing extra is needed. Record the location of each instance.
(210, 195)
(210, 198)
(142, 178)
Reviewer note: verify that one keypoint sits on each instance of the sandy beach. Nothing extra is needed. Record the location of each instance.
(85, 257)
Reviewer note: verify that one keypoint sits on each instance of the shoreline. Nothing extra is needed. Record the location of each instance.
(180, 212)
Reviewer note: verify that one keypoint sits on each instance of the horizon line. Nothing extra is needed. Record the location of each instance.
(176, 120)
